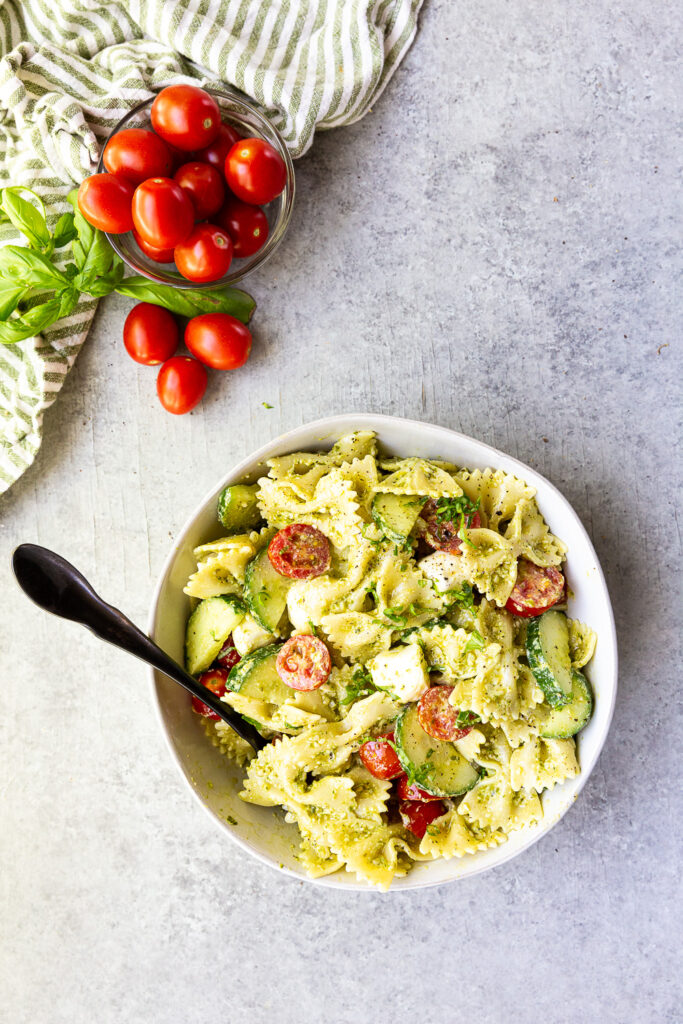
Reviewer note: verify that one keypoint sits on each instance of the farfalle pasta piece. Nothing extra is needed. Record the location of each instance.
(540, 764)
(582, 641)
(421, 477)
(530, 537)
(357, 635)
(453, 836)
(497, 492)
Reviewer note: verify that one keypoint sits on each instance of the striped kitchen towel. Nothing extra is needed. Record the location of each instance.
(69, 69)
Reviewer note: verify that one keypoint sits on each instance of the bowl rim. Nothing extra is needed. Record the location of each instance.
(375, 421)
(273, 241)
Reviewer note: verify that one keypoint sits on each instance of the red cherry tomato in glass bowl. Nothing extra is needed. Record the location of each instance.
(104, 200)
(418, 815)
(300, 552)
(181, 384)
(218, 340)
(150, 334)
(186, 116)
(204, 185)
(216, 153)
(214, 680)
(247, 225)
(158, 255)
(162, 213)
(137, 154)
(205, 255)
(406, 790)
(304, 662)
(380, 758)
(537, 589)
(255, 171)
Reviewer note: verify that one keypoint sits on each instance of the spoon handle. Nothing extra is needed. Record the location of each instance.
(58, 587)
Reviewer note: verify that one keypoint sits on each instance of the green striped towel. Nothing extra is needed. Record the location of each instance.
(71, 68)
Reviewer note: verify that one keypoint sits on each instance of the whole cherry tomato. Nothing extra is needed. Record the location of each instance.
(181, 384)
(205, 255)
(218, 340)
(186, 116)
(150, 334)
(204, 185)
(247, 225)
(136, 154)
(216, 153)
(255, 171)
(158, 255)
(162, 213)
(104, 200)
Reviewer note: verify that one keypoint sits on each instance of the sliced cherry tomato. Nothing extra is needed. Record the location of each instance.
(162, 213)
(216, 153)
(181, 384)
(247, 225)
(137, 154)
(407, 791)
(218, 340)
(443, 534)
(186, 116)
(204, 185)
(255, 171)
(205, 255)
(215, 680)
(380, 758)
(150, 334)
(304, 662)
(228, 657)
(417, 816)
(158, 255)
(300, 552)
(437, 717)
(104, 200)
(537, 589)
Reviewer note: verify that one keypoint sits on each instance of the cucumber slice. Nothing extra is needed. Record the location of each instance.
(547, 650)
(237, 508)
(435, 765)
(561, 723)
(396, 514)
(208, 627)
(256, 676)
(265, 591)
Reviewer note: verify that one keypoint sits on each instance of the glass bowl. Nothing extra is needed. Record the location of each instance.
(242, 116)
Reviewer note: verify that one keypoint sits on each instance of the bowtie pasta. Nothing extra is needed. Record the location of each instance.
(395, 627)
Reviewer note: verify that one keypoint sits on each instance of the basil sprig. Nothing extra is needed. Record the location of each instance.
(35, 293)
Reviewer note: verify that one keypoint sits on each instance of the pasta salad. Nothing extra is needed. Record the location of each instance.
(396, 628)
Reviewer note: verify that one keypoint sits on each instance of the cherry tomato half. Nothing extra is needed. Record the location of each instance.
(216, 153)
(228, 657)
(186, 116)
(247, 225)
(218, 340)
(104, 200)
(418, 815)
(300, 552)
(204, 185)
(537, 589)
(136, 154)
(443, 533)
(181, 384)
(215, 680)
(438, 717)
(380, 758)
(205, 255)
(150, 334)
(158, 255)
(162, 213)
(255, 171)
(409, 791)
(303, 662)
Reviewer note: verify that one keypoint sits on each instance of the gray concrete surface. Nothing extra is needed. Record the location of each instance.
(493, 249)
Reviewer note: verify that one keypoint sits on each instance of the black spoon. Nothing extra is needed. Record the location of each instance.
(55, 585)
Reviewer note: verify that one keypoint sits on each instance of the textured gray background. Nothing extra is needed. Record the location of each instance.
(491, 249)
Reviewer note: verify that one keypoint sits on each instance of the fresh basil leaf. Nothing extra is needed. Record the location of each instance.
(68, 300)
(108, 282)
(100, 261)
(25, 217)
(191, 302)
(10, 295)
(31, 323)
(65, 231)
(29, 268)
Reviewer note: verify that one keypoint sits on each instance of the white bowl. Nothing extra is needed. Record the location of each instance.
(215, 782)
